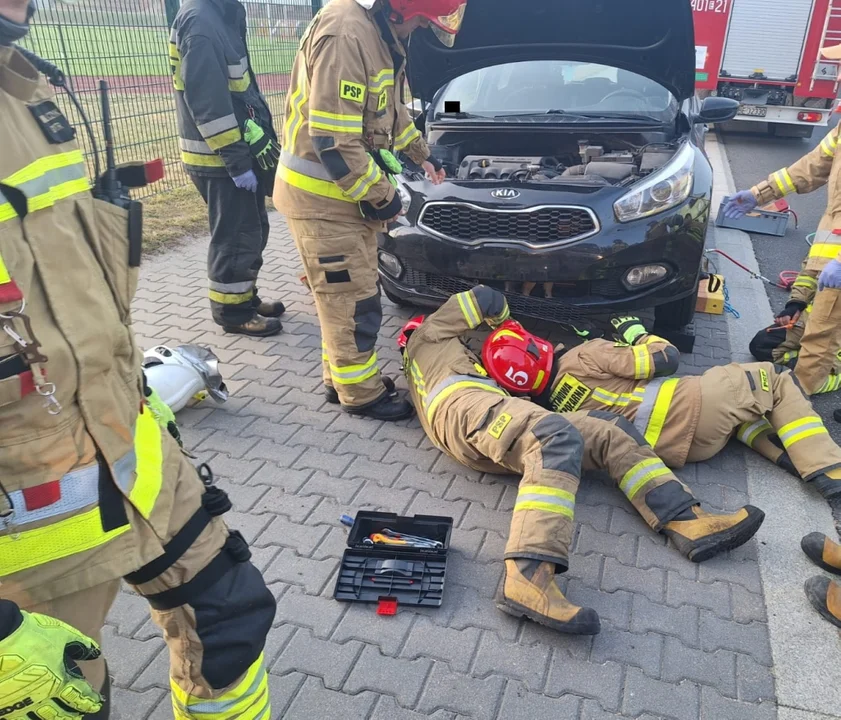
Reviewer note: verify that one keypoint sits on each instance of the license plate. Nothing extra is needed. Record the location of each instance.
(752, 110)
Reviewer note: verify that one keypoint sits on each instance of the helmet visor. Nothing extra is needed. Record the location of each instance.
(446, 27)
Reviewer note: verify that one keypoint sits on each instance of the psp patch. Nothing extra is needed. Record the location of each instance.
(53, 124)
(499, 425)
(383, 101)
(351, 91)
(763, 380)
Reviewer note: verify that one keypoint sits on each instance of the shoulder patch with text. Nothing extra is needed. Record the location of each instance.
(351, 91)
(383, 101)
(763, 380)
(499, 425)
(569, 394)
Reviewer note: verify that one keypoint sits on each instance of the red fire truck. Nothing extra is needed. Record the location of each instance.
(766, 55)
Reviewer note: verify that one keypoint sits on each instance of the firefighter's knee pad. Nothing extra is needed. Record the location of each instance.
(561, 444)
(764, 343)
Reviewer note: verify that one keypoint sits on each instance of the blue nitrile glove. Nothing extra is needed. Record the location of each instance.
(246, 181)
(830, 276)
(739, 205)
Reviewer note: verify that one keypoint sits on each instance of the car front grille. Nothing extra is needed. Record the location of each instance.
(551, 309)
(538, 227)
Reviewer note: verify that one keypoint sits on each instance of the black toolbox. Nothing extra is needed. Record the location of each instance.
(390, 574)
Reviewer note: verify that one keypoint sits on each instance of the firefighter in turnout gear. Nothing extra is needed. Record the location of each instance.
(92, 488)
(230, 152)
(823, 593)
(345, 116)
(821, 338)
(477, 423)
(687, 419)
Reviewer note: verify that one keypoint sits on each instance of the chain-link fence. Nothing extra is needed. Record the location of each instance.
(125, 43)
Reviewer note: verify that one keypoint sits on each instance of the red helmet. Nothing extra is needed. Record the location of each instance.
(445, 15)
(518, 361)
(408, 329)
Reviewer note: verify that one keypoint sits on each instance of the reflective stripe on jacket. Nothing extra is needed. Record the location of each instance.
(346, 99)
(215, 88)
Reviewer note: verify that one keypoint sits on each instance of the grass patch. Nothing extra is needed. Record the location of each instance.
(115, 51)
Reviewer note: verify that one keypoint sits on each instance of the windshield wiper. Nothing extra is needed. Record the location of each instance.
(459, 116)
(538, 114)
(579, 116)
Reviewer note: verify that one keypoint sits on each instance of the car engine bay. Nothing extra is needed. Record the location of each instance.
(593, 164)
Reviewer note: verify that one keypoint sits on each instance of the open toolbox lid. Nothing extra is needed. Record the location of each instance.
(409, 575)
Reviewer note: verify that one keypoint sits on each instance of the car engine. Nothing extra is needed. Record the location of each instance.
(593, 164)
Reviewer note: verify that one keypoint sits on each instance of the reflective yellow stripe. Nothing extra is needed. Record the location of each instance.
(469, 310)
(217, 142)
(354, 374)
(333, 122)
(661, 410)
(805, 281)
(407, 137)
(833, 382)
(371, 177)
(380, 81)
(545, 507)
(825, 250)
(642, 362)
(230, 298)
(248, 700)
(201, 160)
(149, 452)
(546, 490)
(48, 180)
(4, 273)
(52, 542)
(784, 182)
(640, 474)
(239, 85)
(801, 429)
(748, 432)
(446, 392)
(323, 188)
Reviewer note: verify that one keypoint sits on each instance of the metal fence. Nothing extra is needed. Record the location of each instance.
(125, 42)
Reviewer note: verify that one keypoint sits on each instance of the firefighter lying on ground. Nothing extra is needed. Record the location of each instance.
(687, 419)
(821, 339)
(472, 419)
(823, 593)
(92, 489)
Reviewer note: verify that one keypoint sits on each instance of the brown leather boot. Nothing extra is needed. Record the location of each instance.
(701, 535)
(529, 590)
(270, 308)
(257, 326)
(822, 551)
(825, 597)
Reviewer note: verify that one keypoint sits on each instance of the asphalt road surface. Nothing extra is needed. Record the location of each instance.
(752, 158)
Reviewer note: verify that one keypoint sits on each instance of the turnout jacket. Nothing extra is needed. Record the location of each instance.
(630, 380)
(215, 87)
(814, 170)
(439, 367)
(346, 100)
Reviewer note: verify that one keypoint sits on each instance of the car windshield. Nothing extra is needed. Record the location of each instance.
(557, 88)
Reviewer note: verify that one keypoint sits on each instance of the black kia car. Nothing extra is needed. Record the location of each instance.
(573, 144)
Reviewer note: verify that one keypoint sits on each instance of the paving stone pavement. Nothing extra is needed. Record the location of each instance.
(678, 640)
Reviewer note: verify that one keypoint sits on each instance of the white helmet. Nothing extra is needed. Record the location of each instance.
(185, 373)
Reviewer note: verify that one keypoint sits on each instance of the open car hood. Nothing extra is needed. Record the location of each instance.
(654, 38)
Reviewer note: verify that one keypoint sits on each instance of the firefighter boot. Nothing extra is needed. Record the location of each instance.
(701, 535)
(529, 590)
(825, 597)
(386, 407)
(828, 484)
(257, 326)
(822, 551)
(333, 397)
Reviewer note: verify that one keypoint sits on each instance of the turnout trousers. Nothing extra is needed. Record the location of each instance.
(340, 262)
(239, 231)
(494, 434)
(764, 405)
(208, 599)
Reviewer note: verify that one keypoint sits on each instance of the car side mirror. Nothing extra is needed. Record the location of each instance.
(716, 110)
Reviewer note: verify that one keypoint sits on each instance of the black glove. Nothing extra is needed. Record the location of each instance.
(792, 308)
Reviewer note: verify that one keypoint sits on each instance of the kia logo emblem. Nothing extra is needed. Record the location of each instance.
(505, 193)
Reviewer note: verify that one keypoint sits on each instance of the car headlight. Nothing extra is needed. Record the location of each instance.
(405, 197)
(660, 191)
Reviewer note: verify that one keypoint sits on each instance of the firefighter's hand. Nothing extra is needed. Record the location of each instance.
(436, 175)
(628, 329)
(830, 276)
(39, 677)
(495, 322)
(246, 181)
(162, 414)
(739, 204)
(790, 314)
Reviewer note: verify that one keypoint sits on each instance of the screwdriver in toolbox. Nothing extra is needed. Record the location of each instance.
(417, 538)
